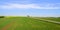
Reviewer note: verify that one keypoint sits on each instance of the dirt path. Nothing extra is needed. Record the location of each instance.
(8, 26)
(51, 21)
(48, 21)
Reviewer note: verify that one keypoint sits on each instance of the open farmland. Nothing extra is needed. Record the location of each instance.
(26, 23)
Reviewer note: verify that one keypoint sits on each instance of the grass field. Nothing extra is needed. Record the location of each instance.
(26, 23)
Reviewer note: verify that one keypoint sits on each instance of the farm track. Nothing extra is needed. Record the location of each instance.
(56, 22)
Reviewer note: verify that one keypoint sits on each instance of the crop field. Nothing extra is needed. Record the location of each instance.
(26, 23)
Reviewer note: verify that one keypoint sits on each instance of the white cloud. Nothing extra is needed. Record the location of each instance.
(27, 6)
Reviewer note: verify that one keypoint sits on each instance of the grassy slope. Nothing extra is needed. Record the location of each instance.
(24, 23)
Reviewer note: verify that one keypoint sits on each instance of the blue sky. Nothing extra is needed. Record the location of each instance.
(30, 7)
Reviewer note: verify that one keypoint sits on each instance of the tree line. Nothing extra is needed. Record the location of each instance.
(1, 16)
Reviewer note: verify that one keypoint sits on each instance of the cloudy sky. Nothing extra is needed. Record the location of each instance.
(30, 7)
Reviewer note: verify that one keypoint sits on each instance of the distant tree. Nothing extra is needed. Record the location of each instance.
(28, 16)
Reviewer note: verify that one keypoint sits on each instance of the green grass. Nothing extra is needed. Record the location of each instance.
(26, 23)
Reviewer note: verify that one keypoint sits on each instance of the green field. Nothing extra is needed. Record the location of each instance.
(26, 23)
